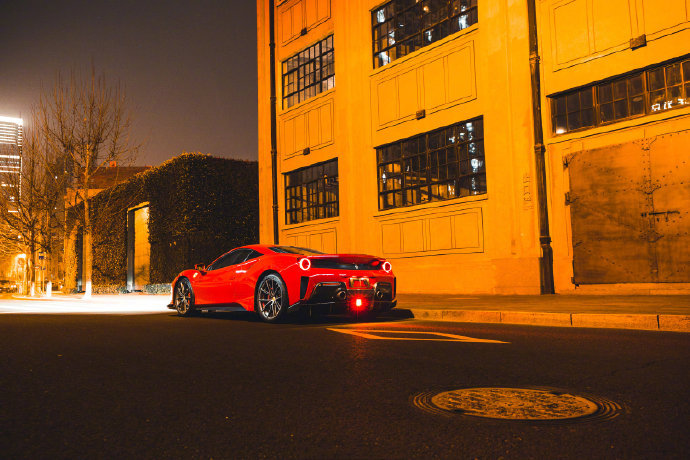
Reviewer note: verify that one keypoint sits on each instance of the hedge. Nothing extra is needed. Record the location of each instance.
(199, 207)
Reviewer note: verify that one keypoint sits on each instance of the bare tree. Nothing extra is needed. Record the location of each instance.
(88, 122)
(28, 203)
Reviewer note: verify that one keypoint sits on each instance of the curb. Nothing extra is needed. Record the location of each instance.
(645, 322)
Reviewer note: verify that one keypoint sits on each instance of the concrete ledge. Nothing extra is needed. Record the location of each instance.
(537, 319)
(678, 323)
(429, 315)
(615, 320)
(647, 322)
(472, 316)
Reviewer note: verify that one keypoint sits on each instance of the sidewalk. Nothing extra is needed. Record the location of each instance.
(645, 312)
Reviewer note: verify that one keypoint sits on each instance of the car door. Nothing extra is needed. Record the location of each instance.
(221, 287)
(208, 286)
(245, 281)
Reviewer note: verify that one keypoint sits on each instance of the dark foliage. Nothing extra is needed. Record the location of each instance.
(199, 207)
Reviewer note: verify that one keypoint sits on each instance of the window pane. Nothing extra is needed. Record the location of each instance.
(586, 99)
(606, 112)
(605, 93)
(637, 105)
(588, 117)
(620, 89)
(673, 76)
(560, 124)
(657, 97)
(573, 102)
(636, 85)
(655, 79)
(674, 93)
(620, 109)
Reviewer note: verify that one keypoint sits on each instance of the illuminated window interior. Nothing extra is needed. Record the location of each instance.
(656, 89)
(400, 27)
(309, 72)
(312, 192)
(440, 165)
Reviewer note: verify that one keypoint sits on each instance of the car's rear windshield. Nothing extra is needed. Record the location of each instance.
(294, 250)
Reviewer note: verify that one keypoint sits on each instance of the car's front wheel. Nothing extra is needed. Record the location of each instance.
(184, 298)
(271, 299)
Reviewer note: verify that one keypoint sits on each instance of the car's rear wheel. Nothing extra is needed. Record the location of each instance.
(271, 299)
(184, 298)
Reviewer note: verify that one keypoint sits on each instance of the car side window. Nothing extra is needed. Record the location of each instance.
(233, 258)
(227, 260)
(220, 262)
(252, 255)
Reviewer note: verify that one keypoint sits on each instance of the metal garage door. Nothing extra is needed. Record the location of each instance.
(629, 206)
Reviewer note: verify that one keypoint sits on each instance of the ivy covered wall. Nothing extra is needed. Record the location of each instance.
(199, 207)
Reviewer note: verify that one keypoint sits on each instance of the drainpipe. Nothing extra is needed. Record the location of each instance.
(274, 142)
(546, 259)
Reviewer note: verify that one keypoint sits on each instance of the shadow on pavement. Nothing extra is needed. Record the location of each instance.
(321, 319)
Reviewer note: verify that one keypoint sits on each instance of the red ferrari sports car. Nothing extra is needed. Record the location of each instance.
(275, 280)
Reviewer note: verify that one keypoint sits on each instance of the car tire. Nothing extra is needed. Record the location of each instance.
(270, 299)
(183, 298)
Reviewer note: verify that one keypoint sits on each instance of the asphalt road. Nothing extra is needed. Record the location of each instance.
(227, 386)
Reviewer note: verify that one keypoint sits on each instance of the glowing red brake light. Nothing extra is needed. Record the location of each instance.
(305, 264)
(387, 267)
(358, 303)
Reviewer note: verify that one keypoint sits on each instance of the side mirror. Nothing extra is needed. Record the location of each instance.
(200, 267)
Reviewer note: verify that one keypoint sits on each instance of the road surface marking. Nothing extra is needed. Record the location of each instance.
(443, 337)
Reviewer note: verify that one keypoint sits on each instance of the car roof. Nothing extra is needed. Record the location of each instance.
(264, 248)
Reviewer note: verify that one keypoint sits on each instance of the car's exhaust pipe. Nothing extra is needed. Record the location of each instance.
(340, 294)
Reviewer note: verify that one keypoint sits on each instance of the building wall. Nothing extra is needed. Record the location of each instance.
(588, 41)
(479, 244)
(485, 243)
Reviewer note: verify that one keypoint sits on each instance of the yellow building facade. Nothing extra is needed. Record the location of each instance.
(406, 129)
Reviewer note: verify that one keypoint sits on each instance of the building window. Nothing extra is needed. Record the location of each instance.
(400, 27)
(312, 192)
(440, 165)
(308, 73)
(653, 90)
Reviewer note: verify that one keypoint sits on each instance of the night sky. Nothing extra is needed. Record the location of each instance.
(188, 67)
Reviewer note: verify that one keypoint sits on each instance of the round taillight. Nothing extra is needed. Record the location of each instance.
(387, 267)
(305, 264)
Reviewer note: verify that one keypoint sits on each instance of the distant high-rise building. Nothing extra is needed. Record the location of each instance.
(10, 152)
(10, 146)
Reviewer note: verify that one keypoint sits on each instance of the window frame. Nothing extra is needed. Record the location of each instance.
(458, 167)
(298, 85)
(416, 24)
(312, 188)
(601, 101)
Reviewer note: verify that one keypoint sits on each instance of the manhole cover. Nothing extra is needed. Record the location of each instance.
(517, 404)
